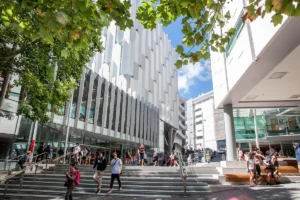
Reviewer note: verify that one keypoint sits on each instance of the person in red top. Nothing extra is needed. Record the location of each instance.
(142, 154)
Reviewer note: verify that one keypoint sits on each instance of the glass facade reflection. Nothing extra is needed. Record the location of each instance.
(93, 103)
(99, 121)
(108, 106)
(85, 95)
(74, 103)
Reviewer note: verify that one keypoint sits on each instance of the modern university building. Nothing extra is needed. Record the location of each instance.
(127, 95)
(259, 71)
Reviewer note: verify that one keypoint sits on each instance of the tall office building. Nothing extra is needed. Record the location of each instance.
(127, 95)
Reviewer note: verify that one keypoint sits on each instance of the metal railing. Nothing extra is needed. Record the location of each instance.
(20, 174)
(183, 172)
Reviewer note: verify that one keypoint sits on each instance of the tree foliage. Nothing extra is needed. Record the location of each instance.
(47, 43)
(200, 18)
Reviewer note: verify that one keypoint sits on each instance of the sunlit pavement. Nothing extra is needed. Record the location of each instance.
(243, 192)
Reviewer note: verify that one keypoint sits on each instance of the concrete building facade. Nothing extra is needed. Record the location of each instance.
(258, 70)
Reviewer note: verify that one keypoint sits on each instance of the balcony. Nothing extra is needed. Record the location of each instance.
(182, 126)
(183, 118)
(182, 108)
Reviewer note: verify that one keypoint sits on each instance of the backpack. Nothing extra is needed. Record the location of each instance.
(77, 179)
(22, 160)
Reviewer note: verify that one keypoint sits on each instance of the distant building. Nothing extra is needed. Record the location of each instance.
(205, 125)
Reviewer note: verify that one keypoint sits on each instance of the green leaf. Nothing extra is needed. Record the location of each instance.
(179, 49)
(227, 15)
(206, 55)
(178, 64)
(277, 19)
(64, 53)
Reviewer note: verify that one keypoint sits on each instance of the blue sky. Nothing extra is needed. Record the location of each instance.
(192, 80)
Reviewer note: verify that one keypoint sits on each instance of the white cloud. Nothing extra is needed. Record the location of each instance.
(189, 74)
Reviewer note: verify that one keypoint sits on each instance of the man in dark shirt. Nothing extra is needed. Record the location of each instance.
(101, 164)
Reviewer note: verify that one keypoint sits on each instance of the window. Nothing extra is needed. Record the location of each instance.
(199, 137)
(99, 122)
(74, 103)
(108, 106)
(238, 27)
(93, 103)
(198, 109)
(115, 109)
(121, 109)
(198, 116)
(126, 110)
(197, 123)
(134, 122)
(85, 95)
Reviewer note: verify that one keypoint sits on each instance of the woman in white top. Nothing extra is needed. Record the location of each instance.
(250, 163)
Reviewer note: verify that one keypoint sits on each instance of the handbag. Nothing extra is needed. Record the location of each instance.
(66, 183)
(121, 170)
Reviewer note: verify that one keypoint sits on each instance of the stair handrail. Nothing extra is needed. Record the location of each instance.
(7, 178)
(30, 167)
(183, 172)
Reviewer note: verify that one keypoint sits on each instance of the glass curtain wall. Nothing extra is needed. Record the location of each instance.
(85, 95)
(93, 103)
(126, 109)
(115, 110)
(74, 103)
(121, 112)
(99, 121)
(108, 106)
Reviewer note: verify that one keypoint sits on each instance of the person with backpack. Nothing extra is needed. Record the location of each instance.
(25, 158)
(116, 164)
(73, 179)
(100, 163)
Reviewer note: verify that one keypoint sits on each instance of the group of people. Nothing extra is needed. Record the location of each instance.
(100, 164)
(255, 159)
(81, 155)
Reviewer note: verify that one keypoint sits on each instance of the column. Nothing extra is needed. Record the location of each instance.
(256, 129)
(250, 147)
(170, 140)
(229, 132)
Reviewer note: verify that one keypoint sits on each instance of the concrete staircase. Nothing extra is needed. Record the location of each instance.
(161, 182)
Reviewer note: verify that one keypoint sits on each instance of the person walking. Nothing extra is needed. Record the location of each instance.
(172, 158)
(25, 158)
(142, 154)
(72, 180)
(100, 163)
(297, 149)
(89, 155)
(250, 163)
(128, 157)
(117, 165)
(76, 153)
(60, 154)
(155, 159)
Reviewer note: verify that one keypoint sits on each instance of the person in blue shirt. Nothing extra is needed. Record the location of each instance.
(116, 164)
(297, 149)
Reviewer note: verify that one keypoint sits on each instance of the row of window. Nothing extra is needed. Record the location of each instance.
(125, 106)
